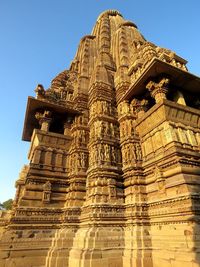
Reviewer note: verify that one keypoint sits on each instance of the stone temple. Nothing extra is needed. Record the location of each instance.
(114, 172)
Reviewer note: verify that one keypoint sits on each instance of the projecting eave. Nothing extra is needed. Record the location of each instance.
(34, 105)
(178, 78)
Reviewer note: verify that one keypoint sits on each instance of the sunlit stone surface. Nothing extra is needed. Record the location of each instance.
(114, 176)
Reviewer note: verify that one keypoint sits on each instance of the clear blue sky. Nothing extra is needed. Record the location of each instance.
(39, 38)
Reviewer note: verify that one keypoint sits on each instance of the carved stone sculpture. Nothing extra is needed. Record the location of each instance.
(113, 178)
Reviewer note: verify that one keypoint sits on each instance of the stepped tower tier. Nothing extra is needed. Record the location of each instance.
(114, 160)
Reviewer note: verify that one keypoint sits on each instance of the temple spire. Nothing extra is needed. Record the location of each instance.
(114, 160)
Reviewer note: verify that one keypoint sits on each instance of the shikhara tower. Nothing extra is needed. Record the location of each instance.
(114, 173)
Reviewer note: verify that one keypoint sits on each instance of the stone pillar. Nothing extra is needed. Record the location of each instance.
(134, 189)
(77, 159)
(48, 158)
(158, 90)
(104, 152)
(44, 120)
(36, 156)
(59, 160)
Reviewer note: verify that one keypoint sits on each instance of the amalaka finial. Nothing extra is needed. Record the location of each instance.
(110, 13)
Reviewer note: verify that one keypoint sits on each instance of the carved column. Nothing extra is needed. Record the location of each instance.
(59, 160)
(104, 161)
(48, 158)
(36, 156)
(44, 120)
(77, 166)
(158, 90)
(131, 149)
(134, 188)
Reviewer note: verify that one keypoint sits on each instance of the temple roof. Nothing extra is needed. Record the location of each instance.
(112, 42)
(116, 46)
(118, 55)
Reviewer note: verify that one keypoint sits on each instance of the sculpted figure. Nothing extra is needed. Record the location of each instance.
(96, 128)
(134, 151)
(113, 154)
(116, 131)
(112, 132)
(84, 160)
(40, 92)
(95, 154)
(122, 129)
(79, 162)
(83, 133)
(103, 128)
(125, 155)
(75, 140)
(101, 152)
(129, 126)
(119, 109)
(108, 128)
(123, 108)
(101, 107)
(132, 129)
(75, 162)
(79, 138)
(128, 154)
(109, 109)
(138, 151)
(91, 158)
(104, 107)
(107, 152)
(127, 108)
